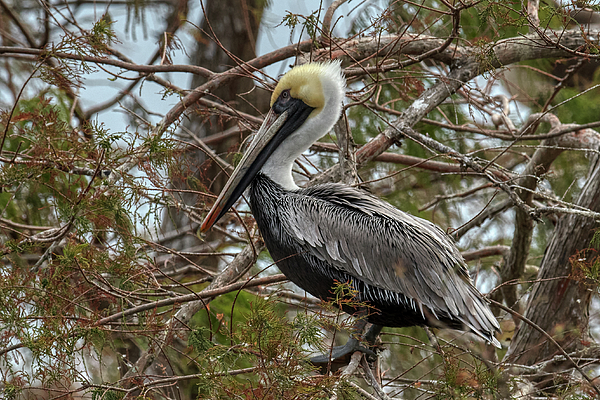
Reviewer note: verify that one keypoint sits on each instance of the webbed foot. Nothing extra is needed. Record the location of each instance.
(345, 351)
(342, 354)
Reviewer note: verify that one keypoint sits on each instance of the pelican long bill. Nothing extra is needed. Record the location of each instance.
(251, 162)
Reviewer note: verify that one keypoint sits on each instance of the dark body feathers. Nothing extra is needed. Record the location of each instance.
(405, 267)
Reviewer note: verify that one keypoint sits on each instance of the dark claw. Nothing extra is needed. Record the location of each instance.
(340, 355)
(346, 350)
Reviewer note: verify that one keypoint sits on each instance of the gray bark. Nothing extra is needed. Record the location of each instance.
(560, 306)
(232, 25)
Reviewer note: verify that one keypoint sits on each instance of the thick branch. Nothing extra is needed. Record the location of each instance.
(196, 298)
(43, 53)
(560, 306)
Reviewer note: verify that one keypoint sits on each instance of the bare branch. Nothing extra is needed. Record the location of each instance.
(533, 7)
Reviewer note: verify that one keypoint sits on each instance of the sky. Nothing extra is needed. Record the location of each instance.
(139, 43)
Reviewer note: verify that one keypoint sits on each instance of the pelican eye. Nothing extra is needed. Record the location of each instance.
(288, 102)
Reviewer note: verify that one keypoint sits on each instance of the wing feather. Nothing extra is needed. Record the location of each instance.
(369, 239)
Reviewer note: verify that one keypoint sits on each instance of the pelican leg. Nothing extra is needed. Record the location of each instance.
(353, 344)
(373, 333)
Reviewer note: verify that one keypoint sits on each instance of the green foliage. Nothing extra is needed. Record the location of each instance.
(596, 239)
(585, 264)
(307, 330)
(237, 157)
(267, 341)
(102, 35)
(48, 307)
(199, 341)
(104, 138)
(494, 17)
(586, 267)
(106, 394)
(309, 23)
(459, 381)
(10, 391)
(577, 391)
(581, 109)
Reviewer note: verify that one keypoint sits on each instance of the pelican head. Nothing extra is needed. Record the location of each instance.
(305, 105)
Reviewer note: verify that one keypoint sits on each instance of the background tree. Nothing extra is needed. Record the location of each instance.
(478, 116)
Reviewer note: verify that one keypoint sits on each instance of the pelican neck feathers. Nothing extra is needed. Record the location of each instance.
(321, 86)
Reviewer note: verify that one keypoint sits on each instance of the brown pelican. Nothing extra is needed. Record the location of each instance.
(406, 268)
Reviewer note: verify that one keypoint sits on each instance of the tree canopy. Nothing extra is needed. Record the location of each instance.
(121, 120)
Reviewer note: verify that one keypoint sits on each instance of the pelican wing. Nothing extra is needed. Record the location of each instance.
(386, 248)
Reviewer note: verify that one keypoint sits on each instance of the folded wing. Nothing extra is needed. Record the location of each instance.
(371, 240)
